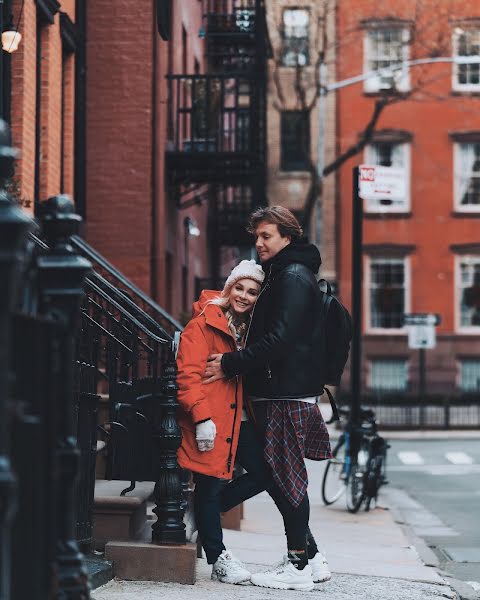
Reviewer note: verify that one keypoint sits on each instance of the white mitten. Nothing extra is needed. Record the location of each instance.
(205, 435)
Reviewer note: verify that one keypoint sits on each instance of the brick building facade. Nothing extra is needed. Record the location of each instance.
(42, 81)
(421, 253)
(131, 217)
(301, 32)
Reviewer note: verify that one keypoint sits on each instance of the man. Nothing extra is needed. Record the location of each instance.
(282, 381)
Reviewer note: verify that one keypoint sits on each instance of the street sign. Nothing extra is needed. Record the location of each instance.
(421, 336)
(381, 183)
(421, 319)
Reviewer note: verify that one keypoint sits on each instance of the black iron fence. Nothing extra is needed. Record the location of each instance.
(401, 411)
(74, 339)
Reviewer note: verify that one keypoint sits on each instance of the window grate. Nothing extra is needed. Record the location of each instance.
(470, 375)
(389, 375)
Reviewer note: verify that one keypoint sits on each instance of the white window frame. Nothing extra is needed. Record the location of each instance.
(374, 206)
(458, 171)
(401, 76)
(303, 9)
(370, 329)
(470, 329)
(371, 362)
(462, 87)
(460, 362)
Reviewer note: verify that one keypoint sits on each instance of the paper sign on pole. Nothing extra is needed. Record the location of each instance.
(382, 183)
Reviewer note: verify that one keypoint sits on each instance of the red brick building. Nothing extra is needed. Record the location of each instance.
(130, 217)
(38, 97)
(421, 253)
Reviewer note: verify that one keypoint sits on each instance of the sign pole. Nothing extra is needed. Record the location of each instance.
(355, 365)
(422, 383)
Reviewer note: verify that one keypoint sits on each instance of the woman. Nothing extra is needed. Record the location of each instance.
(210, 415)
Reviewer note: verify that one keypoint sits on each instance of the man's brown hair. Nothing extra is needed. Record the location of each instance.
(280, 216)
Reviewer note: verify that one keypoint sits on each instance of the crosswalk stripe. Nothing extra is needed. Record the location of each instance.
(459, 458)
(410, 458)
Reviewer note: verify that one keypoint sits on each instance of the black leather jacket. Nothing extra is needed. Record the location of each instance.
(281, 357)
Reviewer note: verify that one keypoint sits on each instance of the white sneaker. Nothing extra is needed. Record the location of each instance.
(228, 569)
(320, 569)
(284, 576)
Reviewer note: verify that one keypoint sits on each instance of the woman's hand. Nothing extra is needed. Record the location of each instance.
(213, 370)
(205, 433)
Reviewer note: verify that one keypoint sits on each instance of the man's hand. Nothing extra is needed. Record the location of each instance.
(213, 370)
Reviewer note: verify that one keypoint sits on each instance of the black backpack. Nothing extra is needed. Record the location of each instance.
(336, 325)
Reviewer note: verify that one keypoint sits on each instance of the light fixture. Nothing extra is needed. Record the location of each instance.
(11, 38)
(192, 227)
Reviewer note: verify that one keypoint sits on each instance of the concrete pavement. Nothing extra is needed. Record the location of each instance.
(369, 554)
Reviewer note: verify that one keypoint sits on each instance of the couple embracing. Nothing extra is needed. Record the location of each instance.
(248, 384)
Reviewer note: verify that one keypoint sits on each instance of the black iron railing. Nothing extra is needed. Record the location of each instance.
(211, 114)
(73, 340)
(407, 411)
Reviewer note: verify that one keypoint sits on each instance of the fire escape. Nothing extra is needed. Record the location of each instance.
(217, 122)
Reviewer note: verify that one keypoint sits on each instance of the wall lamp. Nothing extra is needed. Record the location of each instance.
(191, 227)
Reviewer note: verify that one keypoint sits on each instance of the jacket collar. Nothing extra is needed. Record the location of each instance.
(215, 317)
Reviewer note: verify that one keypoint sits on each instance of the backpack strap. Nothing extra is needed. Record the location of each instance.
(335, 416)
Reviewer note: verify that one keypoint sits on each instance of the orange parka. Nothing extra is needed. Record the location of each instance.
(207, 333)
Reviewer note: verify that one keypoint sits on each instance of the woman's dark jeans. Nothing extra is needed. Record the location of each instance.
(213, 496)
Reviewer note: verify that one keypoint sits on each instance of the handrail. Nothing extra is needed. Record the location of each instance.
(116, 292)
(94, 256)
(98, 290)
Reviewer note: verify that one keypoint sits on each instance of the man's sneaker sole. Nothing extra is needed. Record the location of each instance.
(231, 580)
(278, 585)
(323, 579)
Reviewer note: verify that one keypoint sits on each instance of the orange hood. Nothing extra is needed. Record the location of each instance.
(214, 315)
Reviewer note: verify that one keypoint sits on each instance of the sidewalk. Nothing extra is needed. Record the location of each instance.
(370, 557)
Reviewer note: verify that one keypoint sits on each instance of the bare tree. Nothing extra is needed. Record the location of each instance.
(425, 41)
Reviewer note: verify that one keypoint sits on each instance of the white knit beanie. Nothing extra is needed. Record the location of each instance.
(246, 269)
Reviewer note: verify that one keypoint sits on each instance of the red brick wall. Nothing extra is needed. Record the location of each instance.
(24, 106)
(131, 217)
(431, 228)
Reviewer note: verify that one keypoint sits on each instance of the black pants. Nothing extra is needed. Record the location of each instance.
(212, 497)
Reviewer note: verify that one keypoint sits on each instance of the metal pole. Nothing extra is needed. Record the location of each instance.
(422, 383)
(322, 113)
(355, 368)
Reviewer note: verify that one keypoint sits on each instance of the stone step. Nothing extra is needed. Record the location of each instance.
(120, 518)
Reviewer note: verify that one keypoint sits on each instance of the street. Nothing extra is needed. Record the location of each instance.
(442, 476)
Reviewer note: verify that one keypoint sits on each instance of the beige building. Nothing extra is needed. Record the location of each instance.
(302, 34)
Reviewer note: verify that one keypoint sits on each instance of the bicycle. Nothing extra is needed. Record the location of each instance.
(358, 465)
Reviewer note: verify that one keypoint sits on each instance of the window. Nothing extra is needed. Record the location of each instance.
(295, 49)
(389, 375)
(469, 372)
(295, 140)
(386, 48)
(466, 42)
(389, 154)
(387, 288)
(468, 302)
(467, 176)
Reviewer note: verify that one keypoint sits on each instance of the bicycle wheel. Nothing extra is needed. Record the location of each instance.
(333, 483)
(356, 478)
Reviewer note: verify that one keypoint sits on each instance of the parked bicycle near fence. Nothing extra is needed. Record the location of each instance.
(358, 466)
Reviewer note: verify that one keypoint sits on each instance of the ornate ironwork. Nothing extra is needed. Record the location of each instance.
(62, 274)
(14, 226)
